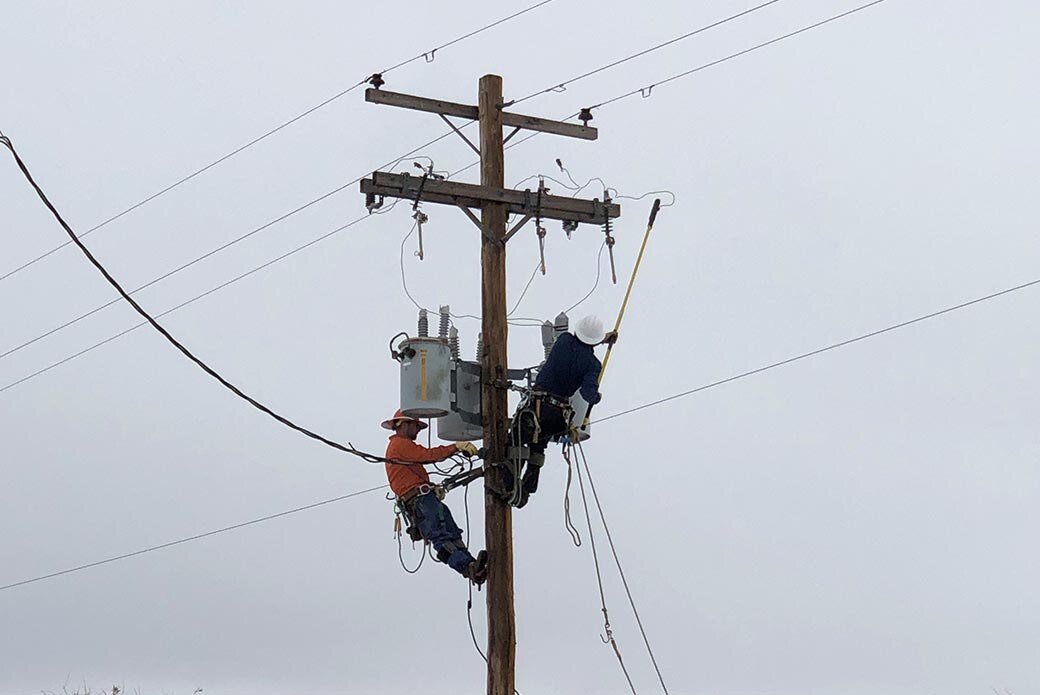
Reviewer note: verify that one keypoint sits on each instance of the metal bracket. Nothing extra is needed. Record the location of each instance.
(510, 136)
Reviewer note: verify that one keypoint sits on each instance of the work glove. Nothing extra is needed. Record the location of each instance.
(610, 338)
(466, 448)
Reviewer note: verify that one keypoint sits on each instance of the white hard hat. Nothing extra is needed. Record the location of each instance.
(589, 330)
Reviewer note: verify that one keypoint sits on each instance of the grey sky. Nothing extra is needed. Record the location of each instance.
(861, 522)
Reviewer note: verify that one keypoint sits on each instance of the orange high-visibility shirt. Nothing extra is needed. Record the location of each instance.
(405, 477)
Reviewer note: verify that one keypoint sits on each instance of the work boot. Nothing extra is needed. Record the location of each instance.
(476, 572)
(507, 476)
(529, 484)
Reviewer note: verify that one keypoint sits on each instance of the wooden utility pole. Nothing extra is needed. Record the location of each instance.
(495, 203)
(498, 519)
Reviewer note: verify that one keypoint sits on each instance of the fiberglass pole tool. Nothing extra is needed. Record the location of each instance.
(621, 314)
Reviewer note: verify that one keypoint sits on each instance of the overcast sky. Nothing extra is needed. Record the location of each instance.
(864, 521)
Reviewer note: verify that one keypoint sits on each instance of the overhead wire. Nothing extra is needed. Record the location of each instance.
(617, 562)
(529, 322)
(185, 303)
(212, 252)
(828, 348)
(426, 54)
(519, 322)
(645, 91)
(561, 86)
(188, 539)
(608, 638)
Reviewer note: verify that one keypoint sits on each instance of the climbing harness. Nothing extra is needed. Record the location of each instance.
(529, 412)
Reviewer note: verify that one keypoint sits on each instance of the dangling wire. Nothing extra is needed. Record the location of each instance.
(617, 561)
(608, 637)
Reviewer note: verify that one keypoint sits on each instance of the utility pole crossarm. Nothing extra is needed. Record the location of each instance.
(449, 108)
(550, 207)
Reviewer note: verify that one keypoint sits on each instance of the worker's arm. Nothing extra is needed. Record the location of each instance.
(403, 450)
(589, 388)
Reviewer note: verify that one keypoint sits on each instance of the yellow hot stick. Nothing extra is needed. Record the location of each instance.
(621, 314)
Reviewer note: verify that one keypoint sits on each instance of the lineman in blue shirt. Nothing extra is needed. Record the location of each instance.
(572, 366)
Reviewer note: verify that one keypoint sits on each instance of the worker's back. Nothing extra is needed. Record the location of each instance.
(571, 365)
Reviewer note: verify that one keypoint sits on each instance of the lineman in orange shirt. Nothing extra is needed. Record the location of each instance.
(417, 496)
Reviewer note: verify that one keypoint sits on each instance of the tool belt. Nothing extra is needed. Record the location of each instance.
(406, 503)
(546, 397)
(420, 490)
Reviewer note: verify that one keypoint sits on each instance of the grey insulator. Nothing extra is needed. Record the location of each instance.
(453, 342)
(445, 321)
(424, 324)
(548, 337)
(480, 346)
(561, 325)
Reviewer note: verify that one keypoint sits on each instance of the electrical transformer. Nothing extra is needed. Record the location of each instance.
(463, 423)
(426, 367)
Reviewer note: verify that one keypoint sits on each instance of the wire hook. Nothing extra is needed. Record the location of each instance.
(645, 91)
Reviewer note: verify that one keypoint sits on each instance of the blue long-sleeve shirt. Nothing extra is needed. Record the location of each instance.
(571, 366)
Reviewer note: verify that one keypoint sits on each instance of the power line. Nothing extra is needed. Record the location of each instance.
(215, 251)
(525, 139)
(645, 91)
(561, 86)
(413, 151)
(828, 348)
(188, 539)
(609, 638)
(194, 299)
(617, 562)
(429, 55)
(346, 448)
(774, 365)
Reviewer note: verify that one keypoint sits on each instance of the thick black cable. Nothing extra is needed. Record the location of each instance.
(563, 85)
(271, 132)
(828, 348)
(346, 448)
(621, 571)
(646, 90)
(196, 537)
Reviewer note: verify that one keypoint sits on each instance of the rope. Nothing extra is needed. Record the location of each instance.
(608, 638)
(567, 522)
(621, 572)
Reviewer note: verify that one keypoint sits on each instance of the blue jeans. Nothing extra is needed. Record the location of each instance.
(438, 527)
